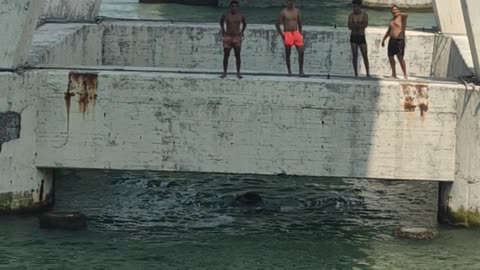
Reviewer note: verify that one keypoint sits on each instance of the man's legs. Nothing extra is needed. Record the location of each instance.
(355, 57)
(301, 55)
(288, 52)
(226, 55)
(238, 59)
(403, 65)
(364, 50)
(392, 64)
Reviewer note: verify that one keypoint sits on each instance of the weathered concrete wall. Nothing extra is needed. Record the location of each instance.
(449, 16)
(66, 45)
(71, 9)
(413, 4)
(452, 57)
(471, 10)
(185, 2)
(22, 186)
(462, 199)
(260, 125)
(199, 47)
(18, 19)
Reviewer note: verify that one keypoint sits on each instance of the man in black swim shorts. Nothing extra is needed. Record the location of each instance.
(357, 22)
(396, 44)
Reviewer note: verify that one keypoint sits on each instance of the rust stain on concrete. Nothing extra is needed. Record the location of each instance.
(416, 96)
(84, 85)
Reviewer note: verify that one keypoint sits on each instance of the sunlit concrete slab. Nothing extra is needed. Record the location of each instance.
(471, 10)
(172, 121)
(449, 16)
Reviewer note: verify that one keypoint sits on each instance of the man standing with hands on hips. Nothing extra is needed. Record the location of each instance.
(290, 18)
(232, 37)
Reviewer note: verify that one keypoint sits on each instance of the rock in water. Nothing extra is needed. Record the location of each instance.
(249, 199)
(416, 233)
(63, 220)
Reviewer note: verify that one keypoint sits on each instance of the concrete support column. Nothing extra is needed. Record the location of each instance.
(18, 21)
(23, 187)
(449, 16)
(460, 200)
(71, 9)
(471, 12)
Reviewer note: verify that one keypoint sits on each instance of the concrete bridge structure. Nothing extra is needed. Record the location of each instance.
(145, 95)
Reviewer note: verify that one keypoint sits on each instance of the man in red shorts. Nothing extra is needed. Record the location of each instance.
(232, 37)
(290, 18)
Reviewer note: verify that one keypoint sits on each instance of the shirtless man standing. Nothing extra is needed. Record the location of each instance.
(396, 44)
(292, 34)
(232, 37)
(357, 22)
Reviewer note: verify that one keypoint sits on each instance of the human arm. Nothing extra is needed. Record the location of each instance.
(365, 21)
(279, 22)
(350, 22)
(244, 24)
(222, 24)
(299, 22)
(404, 21)
(386, 36)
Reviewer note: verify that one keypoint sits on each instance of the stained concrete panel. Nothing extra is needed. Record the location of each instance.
(17, 23)
(261, 125)
(449, 16)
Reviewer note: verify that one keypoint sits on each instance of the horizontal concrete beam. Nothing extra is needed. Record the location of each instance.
(71, 9)
(261, 125)
(17, 23)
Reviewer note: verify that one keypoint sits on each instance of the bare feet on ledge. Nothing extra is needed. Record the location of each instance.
(223, 76)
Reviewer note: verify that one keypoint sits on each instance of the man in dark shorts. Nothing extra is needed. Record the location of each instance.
(357, 22)
(396, 44)
(290, 18)
(232, 37)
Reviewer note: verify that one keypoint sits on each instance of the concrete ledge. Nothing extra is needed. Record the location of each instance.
(193, 46)
(260, 125)
(71, 9)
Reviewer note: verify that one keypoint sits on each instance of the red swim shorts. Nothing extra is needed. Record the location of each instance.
(232, 42)
(293, 38)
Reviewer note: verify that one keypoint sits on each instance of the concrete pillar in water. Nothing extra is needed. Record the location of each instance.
(471, 9)
(17, 24)
(449, 16)
(71, 9)
(460, 200)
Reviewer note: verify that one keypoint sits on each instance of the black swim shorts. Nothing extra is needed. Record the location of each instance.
(396, 47)
(358, 39)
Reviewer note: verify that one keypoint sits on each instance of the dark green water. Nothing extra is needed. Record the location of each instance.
(329, 12)
(186, 221)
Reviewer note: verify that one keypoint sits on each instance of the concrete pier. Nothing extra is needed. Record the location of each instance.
(71, 9)
(414, 4)
(17, 24)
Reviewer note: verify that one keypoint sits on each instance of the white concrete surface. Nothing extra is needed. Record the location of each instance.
(452, 57)
(66, 45)
(462, 199)
(411, 4)
(471, 11)
(260, 125)
(18, 19)
(71, 9)
(193, 46)
(449, 16)
(20, 181)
